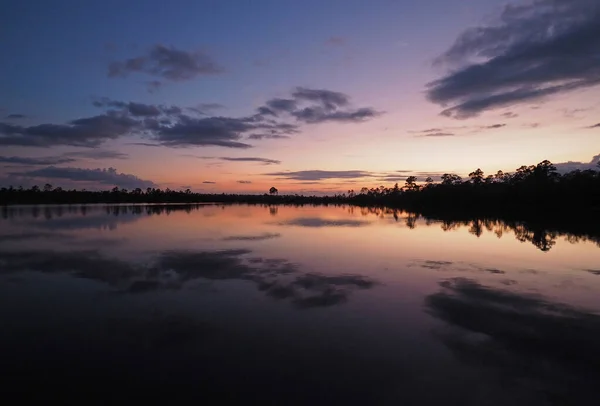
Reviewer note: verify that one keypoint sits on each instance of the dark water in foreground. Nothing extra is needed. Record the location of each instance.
(294, 306)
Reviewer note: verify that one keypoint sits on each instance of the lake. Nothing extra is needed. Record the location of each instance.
(295, 305)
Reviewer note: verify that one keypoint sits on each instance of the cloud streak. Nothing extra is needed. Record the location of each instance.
(34, 161)
(311, 175)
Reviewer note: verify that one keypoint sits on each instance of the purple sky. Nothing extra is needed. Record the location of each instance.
(311, 96)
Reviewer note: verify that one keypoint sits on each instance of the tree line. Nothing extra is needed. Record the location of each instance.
(532, 189)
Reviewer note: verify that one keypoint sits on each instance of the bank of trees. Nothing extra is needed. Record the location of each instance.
(535, 188)
(530, 188)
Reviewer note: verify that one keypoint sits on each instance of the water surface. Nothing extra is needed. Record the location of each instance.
(295, 305)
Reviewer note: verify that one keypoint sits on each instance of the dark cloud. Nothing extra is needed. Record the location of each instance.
(217, 131)
(259, 237)
(276, 105)
(313, 106)
(167, 63)
(84, 132)
(264, 161)
(246, 182)
(314, 115)
(329, 99)
(318, 222)
(35, 161)
(595, 126)
(16, 116)
(267, 136)
(493, 126)
(510, 114)
(208, 182)
(564, 167)
(211, 132)
(539, 49)
(138, 109)
(108, 176)
(320, 175)
(169, 126)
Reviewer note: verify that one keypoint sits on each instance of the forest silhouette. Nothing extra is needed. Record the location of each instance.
(530, 190)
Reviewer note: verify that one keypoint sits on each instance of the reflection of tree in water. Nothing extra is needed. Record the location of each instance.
(273, 210)
(542, 237)
(277, 278)
(545, 352)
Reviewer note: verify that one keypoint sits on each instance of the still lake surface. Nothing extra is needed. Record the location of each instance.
(295, 305)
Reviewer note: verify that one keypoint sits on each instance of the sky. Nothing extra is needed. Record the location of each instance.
(313, 97)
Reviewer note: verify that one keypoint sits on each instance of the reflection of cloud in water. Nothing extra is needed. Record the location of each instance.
(259, 237)
(455, 267)
(276, 277)
(315, 290)
(593, 271)
(541, 350)
(322, 222)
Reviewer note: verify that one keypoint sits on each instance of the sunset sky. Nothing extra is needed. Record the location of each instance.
(308, 96)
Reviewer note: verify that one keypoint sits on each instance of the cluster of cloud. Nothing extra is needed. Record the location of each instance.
(172, 127)
(107, 176)
(166, 63)
(534, 50)
(316, 106)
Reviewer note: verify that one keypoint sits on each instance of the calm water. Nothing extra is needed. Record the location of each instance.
(292, 305)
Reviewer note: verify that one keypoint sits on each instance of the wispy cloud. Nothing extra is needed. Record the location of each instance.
(264, 161)
(15, 116)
